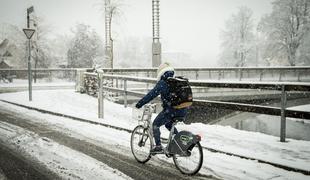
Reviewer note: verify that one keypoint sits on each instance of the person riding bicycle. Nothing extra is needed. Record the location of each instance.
(168, 113)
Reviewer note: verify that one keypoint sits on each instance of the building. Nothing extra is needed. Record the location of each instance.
(10, 55)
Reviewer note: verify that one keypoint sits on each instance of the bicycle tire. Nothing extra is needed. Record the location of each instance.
(145, 146)
(185, 170)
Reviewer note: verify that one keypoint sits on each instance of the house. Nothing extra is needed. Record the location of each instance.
(4, 65)
(10, 55)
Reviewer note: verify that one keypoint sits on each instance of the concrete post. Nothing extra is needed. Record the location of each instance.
(79, 80)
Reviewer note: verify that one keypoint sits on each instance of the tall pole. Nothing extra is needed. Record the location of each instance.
(29, 71)
(156, 45)
(108, 39)
(29, 10)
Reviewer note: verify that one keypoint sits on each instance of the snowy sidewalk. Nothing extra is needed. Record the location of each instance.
(294, 153)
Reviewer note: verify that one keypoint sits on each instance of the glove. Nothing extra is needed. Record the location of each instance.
(138, 106)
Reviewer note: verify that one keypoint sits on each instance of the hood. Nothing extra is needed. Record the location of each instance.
(162, 69)
(166, 75)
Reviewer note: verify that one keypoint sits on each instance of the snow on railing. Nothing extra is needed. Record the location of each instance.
(282, 73)
(284, 87)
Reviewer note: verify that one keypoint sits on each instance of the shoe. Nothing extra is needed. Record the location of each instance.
(157, 150)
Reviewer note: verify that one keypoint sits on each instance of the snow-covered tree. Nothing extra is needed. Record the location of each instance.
(84, 47)
(237, 47)
(304, 51)
(41, 44)
(133, 52)
(16, 43)
(60, 44)
(285, 29)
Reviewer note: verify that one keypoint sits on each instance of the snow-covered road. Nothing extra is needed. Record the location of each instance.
(72, 155)
(216, 165)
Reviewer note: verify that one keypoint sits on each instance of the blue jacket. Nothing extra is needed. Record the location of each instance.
(162, 89)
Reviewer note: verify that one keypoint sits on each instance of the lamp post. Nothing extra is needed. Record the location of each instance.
(29, 33)
(156, 45)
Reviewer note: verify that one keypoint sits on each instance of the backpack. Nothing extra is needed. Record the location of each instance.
(180, 92)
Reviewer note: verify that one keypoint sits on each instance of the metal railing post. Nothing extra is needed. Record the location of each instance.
(100, 97)
(147, 84)
(125, 93)
(280, 76)
(283, 116)
(261, 75)
(240, 74)
(116, 85)
(197, 75)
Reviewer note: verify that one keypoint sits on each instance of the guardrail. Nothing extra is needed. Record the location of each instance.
(39, 73)
(277, 111)
(284, 73)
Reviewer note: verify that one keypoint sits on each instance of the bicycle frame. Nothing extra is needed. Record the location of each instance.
(147, 124)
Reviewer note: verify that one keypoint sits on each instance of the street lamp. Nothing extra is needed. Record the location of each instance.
(29, 33)
(156, 45)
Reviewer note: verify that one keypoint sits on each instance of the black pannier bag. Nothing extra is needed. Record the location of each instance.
(183, 142)
(180, 91)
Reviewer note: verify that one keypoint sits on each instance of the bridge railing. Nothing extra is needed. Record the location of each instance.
(297, 73)
(282, 111)
(280, 74)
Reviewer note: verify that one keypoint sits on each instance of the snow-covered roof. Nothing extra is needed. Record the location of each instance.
(3, 46)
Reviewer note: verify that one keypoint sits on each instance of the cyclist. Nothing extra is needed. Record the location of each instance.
(168, 113)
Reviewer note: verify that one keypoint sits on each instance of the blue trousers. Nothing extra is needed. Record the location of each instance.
(165, 118)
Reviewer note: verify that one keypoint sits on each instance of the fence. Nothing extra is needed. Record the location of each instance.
(41, 73)
(277, 111)
(297, 73)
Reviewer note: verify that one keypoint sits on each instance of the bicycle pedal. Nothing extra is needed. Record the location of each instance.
(157, 152)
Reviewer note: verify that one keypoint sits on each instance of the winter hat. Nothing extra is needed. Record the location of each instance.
(164, 67)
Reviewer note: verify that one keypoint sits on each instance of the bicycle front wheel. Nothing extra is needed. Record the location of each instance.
(191, 164)
(140, 144)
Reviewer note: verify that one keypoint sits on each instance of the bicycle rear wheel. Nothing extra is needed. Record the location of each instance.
(140, 144)
(189, 165)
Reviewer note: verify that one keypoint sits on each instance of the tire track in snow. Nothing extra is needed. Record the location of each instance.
(125, 164)
(128, 130)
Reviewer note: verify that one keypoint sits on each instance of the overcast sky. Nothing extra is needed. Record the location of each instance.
(190, 26)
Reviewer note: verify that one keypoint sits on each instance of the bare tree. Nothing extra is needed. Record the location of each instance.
(238, 39)
(285, 29)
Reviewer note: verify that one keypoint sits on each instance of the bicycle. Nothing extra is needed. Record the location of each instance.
(181, 146)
